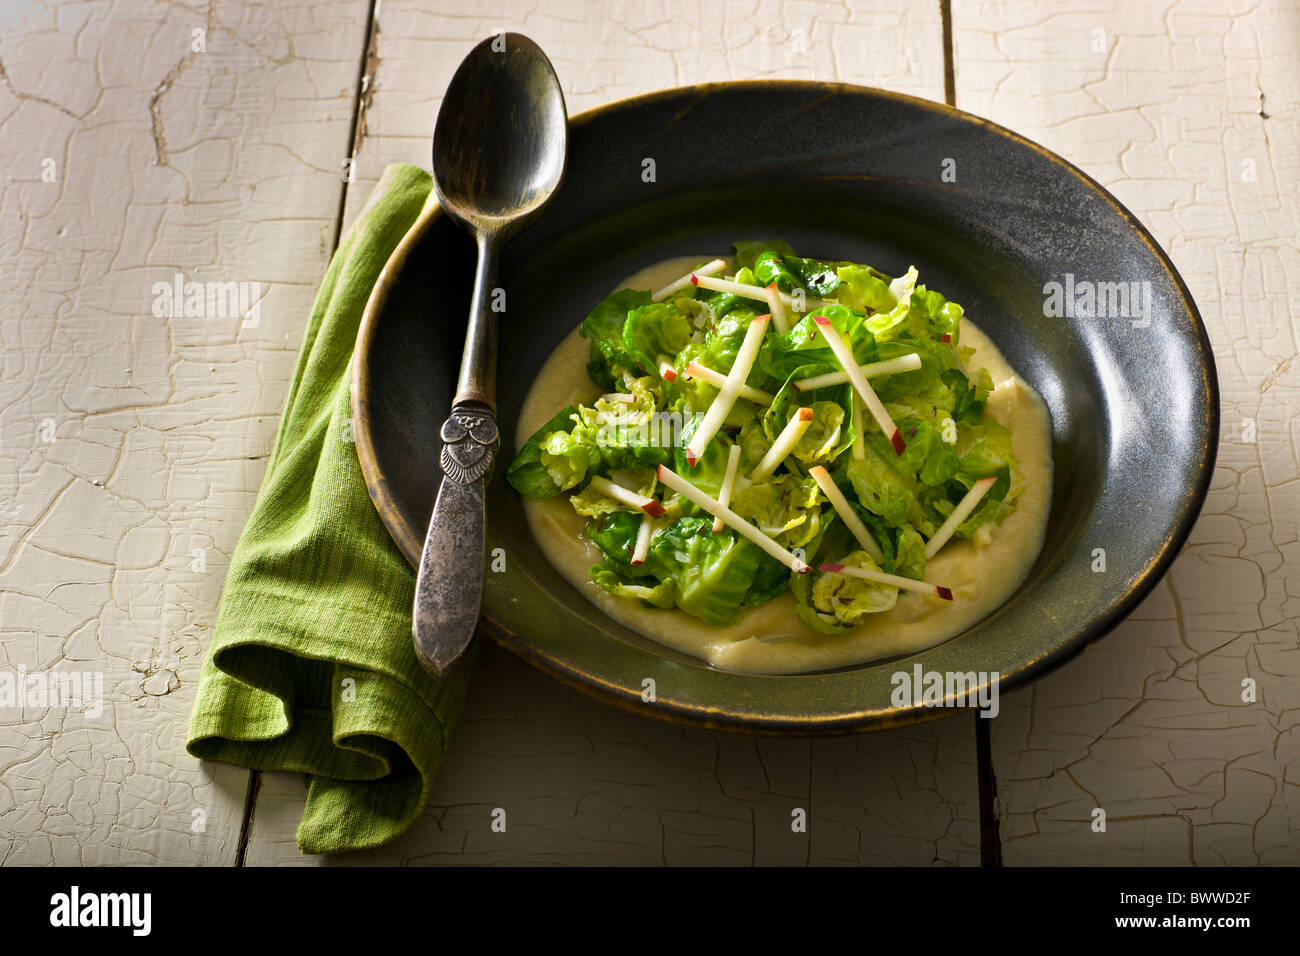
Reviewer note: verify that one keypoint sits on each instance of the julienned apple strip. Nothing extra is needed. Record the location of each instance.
(959, 514)
(860, 384)
(880, 577)
(859, 433)
(784, 444)
(846, 513)
(780, 315)
(717, 380)
(727, 395)
(728, 483)
(756, 292)
(627, 496)
(904, 363)
(643, 535)
(708, 269)
(683, 487)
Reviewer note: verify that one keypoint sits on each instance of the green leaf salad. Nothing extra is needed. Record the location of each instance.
(774, 423)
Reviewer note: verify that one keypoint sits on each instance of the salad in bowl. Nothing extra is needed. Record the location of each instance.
(797, 463)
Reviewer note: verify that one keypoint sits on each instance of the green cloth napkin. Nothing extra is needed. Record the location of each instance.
(312, 667)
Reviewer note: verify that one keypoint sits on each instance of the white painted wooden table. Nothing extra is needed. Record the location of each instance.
(138, 142)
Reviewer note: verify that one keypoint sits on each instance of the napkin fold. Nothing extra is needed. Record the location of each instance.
(312, 667)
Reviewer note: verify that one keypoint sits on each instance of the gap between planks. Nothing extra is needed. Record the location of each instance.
(990, 834)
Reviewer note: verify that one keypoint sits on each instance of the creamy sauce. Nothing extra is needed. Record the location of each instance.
(771, 639)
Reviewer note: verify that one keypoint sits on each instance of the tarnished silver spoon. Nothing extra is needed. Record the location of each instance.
(498, 158)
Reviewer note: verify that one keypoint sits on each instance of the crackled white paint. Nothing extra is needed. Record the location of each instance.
(131, 446)
(1187, 112)
(605, 51)
(584, 783)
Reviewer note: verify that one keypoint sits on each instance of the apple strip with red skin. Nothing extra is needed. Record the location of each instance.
(666, 370)
(959, 514)
(846, 513)
(708, 269)
(780, 316)
(860, 384)
(757, 292)
(730, 390)
(880, 577)
(728, 517)
(717, 380)
(903, 363)
(627, 496)
(728, 483)
(784, 444)
(643, 535)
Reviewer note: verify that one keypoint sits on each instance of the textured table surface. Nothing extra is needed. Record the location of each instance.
(140, 141)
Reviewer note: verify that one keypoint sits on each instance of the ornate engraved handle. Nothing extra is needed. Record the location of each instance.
(449, 587)
(469, 443)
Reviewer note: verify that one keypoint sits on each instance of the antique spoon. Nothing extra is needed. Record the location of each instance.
(498, 158)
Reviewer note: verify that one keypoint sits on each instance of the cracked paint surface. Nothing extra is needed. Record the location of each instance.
(224, 165)
(1187, 112)
(585, 783)
(131, 446)
(607, 51)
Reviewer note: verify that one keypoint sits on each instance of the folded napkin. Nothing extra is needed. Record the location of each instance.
(312, 667)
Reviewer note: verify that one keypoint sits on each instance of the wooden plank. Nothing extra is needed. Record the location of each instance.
(164, 141)
(582, 782)
(607, 51)
(1186, 111)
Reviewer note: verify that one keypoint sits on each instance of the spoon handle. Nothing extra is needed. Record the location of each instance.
(478, 361)
(449, 586)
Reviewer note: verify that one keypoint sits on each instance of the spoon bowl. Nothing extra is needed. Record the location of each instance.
(501, 135)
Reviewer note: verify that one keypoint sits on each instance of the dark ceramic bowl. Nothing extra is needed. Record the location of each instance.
(844, 173)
